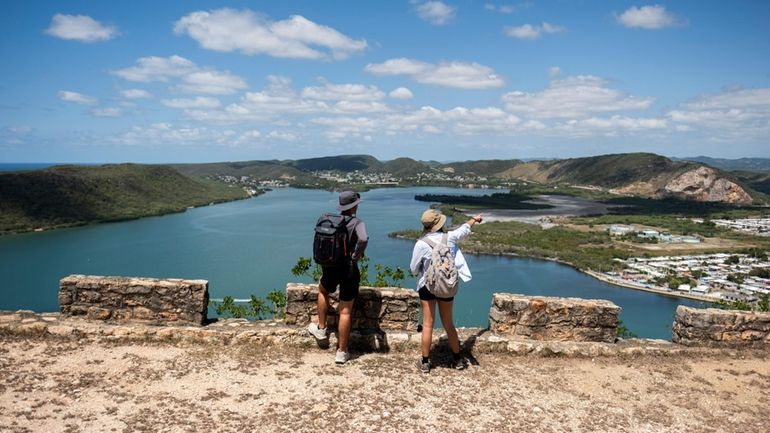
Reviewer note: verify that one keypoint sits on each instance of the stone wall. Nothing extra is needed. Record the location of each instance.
(712, 326)
(548, 318)
(148, 300)
(380, 308)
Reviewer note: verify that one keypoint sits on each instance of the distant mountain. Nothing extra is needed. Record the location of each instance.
(405, 167)
(486, 168)
(743, 164)
(643, 174)
(261, 170)
(71, 195)
(344, 163)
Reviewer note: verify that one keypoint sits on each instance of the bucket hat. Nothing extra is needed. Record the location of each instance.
(433, 220)
(348, 200)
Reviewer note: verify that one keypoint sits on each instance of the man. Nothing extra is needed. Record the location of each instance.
(346, 276)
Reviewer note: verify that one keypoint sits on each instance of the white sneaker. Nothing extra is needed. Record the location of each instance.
(315, 331)
(342, 357)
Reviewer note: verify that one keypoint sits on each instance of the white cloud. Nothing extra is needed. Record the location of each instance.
(157, 69)
(198, 102)
(573, 97)
(135, 94)
(436, 12)
(211, 82)
(528, 31)
(192, 78)
(554, 71)
(401, 93)
(608, 126)
(282, 135)
(460, 75)
(347, 92)
(106, 112)
(78, 98)
(647, 17)
(80, 28)
(503, 9)
(743, 113)
(250, 33)
(248, 137)
(168, 133)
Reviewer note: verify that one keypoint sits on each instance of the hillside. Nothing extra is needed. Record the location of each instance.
(744, 164)
(641, 174)
(485, 168)
(72, 195)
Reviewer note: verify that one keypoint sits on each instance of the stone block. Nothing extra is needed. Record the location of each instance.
(123, 299)
(551, 318)
(710, 326)
(374, 309)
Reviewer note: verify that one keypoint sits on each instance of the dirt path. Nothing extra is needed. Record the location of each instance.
(65, 386)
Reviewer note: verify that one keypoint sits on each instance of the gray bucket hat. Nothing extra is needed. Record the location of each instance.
(348, 200)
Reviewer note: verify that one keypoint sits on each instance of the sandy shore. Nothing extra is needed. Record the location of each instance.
(53, 385)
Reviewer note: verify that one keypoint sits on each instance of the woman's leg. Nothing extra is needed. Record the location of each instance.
(445, 312)
(428, 317)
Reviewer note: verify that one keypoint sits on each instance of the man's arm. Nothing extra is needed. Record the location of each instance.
(363, 240)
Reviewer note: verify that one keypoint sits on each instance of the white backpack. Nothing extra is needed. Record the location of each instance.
(441, 275)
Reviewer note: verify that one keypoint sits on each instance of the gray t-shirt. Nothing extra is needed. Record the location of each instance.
(358, 226)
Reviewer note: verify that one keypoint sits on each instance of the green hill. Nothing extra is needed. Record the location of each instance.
(344, 163)
(73, 195)
(405, 167)
(487, 168)
(743, 164)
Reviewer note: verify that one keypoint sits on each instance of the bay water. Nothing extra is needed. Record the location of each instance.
(249, 247)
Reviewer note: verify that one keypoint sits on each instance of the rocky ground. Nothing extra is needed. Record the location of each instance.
(65, 385)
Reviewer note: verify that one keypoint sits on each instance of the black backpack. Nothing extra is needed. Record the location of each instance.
(330, 243)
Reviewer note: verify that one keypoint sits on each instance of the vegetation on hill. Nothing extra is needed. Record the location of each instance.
(486, 168)
(73, 195)
(743, 164)
(344, 163)
(604, 170)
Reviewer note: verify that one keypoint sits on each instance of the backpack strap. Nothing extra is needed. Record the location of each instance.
(445, 238)
(430, 243)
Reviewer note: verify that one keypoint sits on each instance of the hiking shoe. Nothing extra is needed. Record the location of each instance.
(424, 367)
(342, 357)
(315, 331)
(460, 364)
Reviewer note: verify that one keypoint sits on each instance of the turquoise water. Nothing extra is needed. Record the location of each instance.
(248, 247)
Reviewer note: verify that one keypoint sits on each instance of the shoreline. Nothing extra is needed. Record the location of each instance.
(604, 278)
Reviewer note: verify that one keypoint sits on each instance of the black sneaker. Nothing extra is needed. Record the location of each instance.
(460, 364)
(424, 367)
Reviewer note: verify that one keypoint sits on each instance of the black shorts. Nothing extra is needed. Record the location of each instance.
(426, 295)
(347, 277)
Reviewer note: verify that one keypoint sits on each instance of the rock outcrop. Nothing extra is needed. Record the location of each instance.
(711, 326)
(549, 318)
(705, 184)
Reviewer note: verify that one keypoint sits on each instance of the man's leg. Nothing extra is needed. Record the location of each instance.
(343, 327)
(323, 306)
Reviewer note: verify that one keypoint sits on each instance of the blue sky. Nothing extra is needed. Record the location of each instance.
(194, 81)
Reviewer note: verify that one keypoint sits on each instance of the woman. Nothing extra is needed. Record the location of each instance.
(433, 223)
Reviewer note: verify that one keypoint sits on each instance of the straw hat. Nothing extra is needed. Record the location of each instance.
(433, 220)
